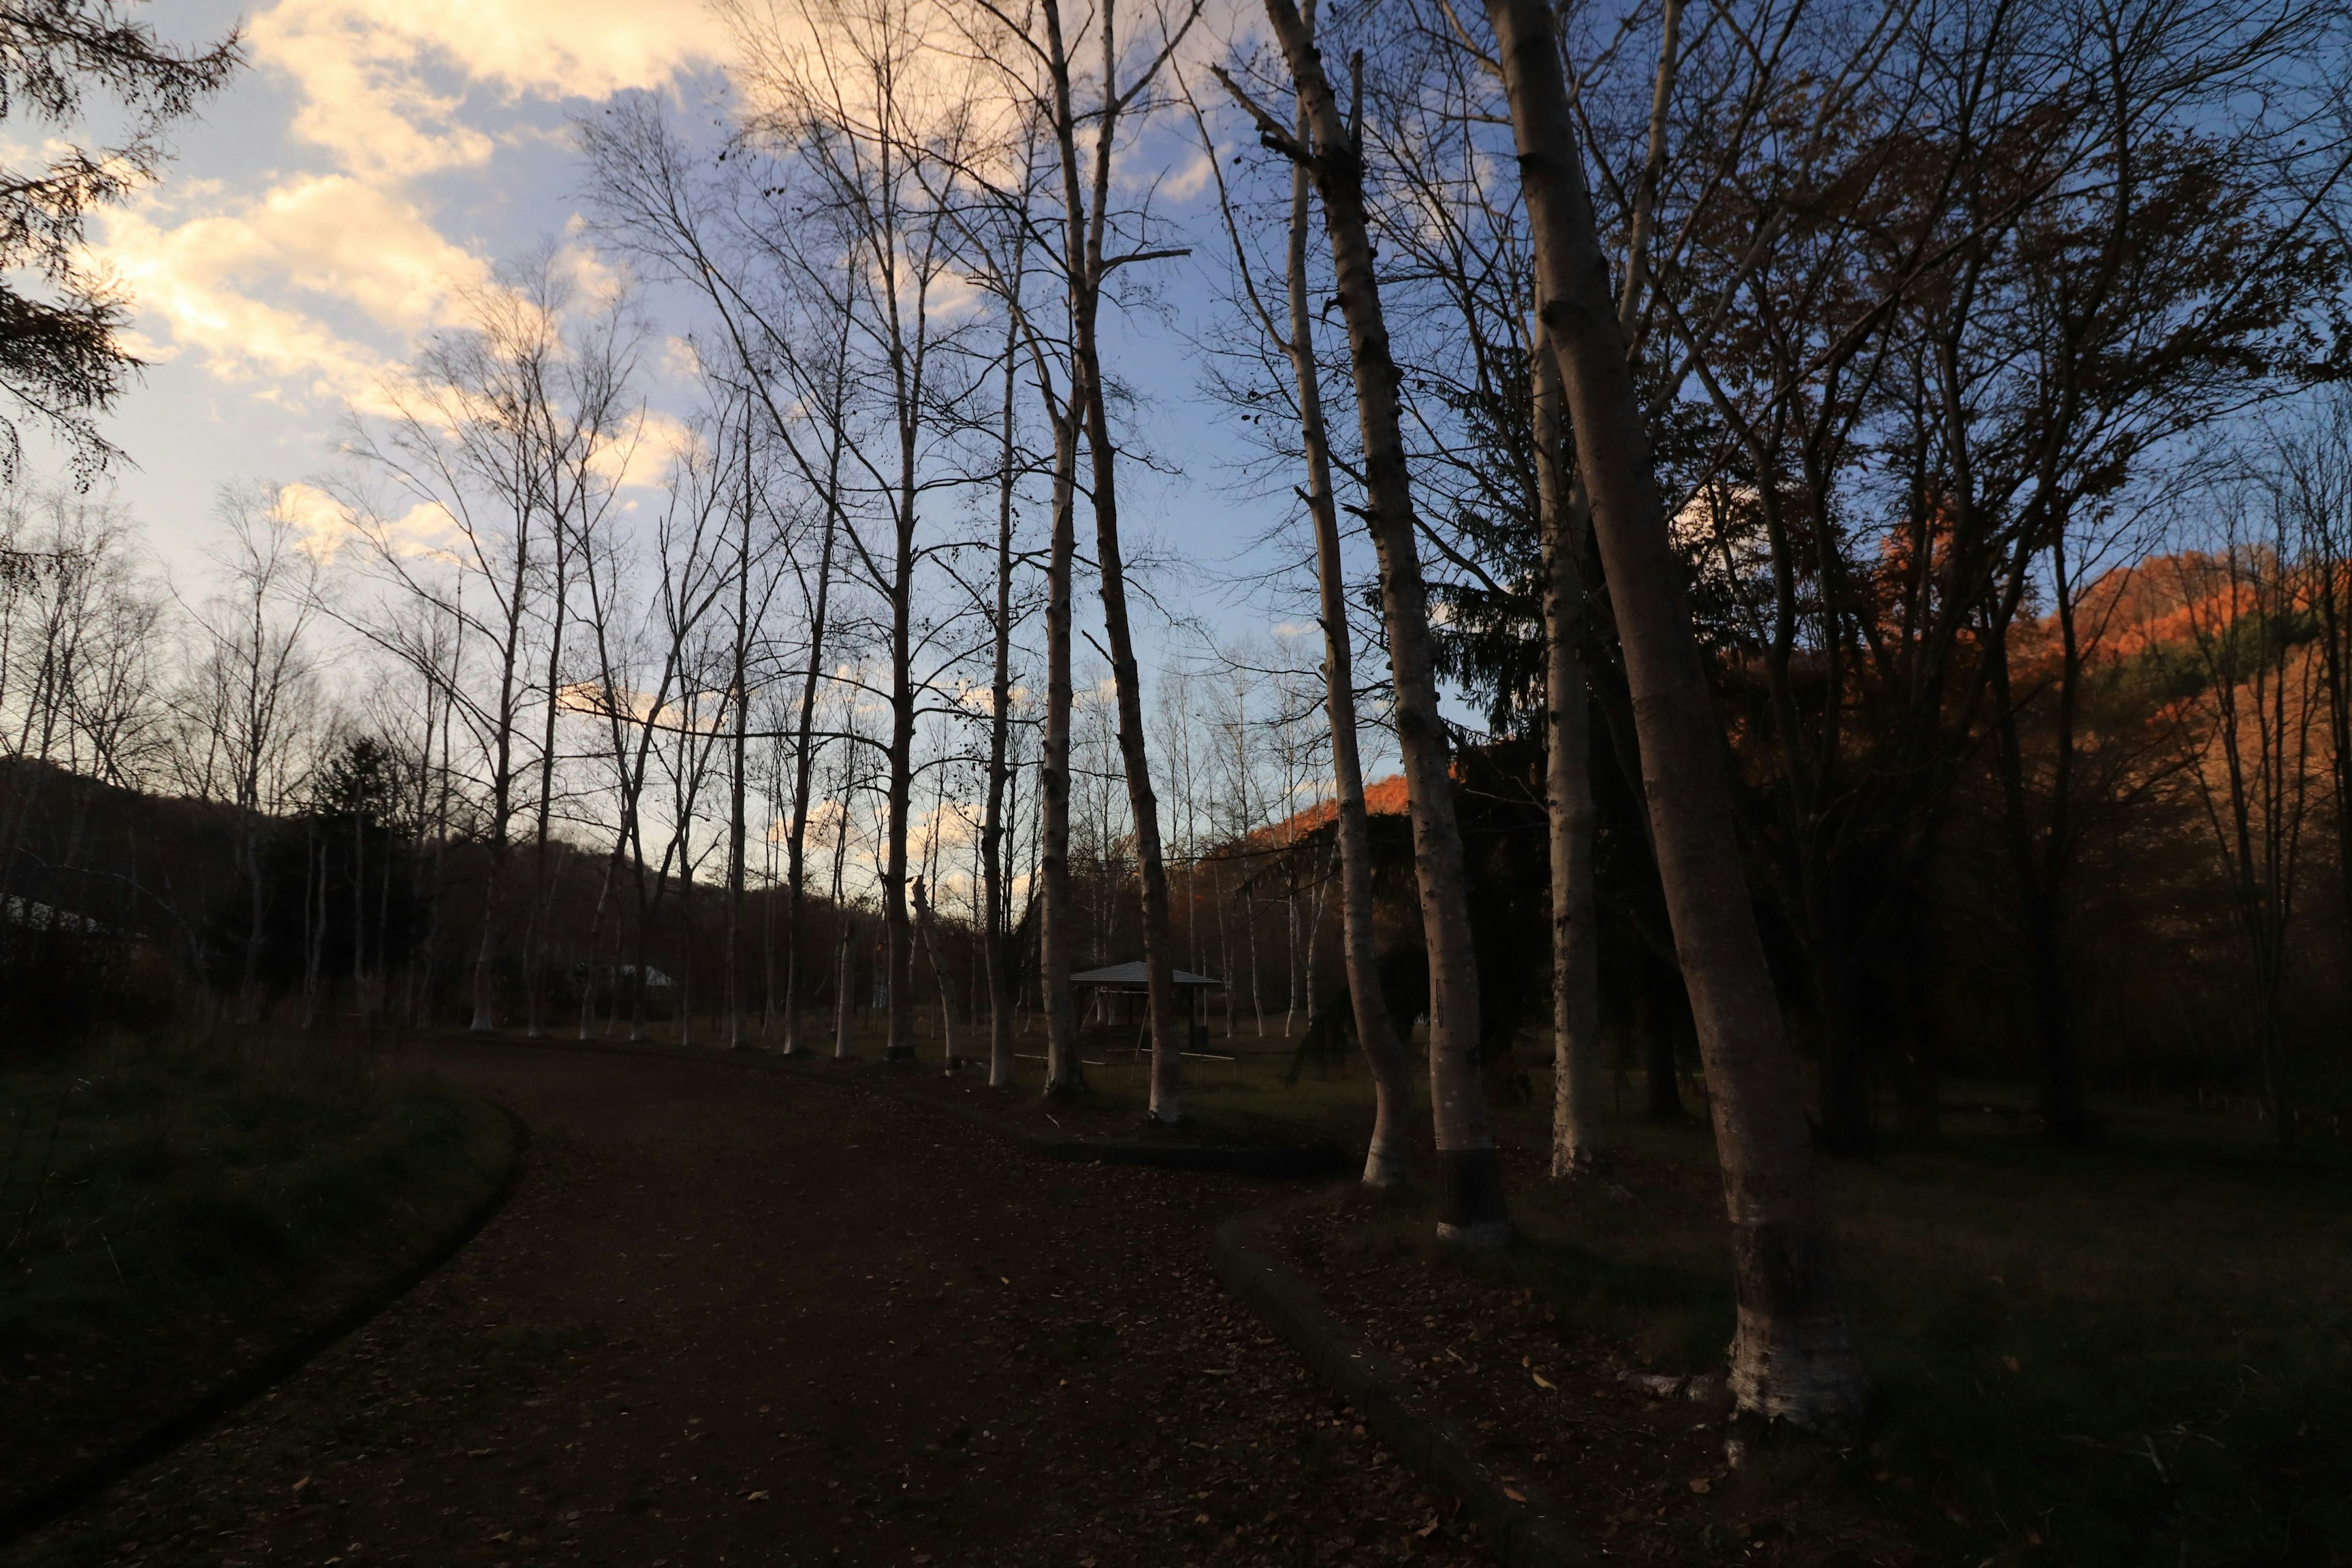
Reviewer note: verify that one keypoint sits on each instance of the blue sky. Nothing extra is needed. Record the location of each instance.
(378, 154)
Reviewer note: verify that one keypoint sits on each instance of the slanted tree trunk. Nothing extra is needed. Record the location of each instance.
(1470, 1206)
(1143, 804)
(1567, 791)
(1376, 1032)
(1791, 1357)
(797, 840)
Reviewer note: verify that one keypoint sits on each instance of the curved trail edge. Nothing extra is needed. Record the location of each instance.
(127, 1458)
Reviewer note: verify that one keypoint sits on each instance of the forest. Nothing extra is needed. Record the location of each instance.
(1813, 588)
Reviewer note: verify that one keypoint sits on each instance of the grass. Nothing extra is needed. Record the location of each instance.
(169, 1215)
(2141, 1353)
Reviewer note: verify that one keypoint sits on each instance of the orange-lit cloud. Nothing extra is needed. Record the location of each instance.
(312, 286)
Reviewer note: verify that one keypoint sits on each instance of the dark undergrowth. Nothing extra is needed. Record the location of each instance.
(2138, 1354)
(169, 1216)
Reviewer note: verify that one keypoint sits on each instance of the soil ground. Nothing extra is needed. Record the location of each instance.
(773, 1318)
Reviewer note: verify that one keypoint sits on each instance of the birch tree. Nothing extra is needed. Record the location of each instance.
(1791, 1357)
(1471, 1205)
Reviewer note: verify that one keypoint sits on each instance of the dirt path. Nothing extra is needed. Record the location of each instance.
(734, 1317)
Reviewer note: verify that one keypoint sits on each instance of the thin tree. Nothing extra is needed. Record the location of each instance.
(1471, 1205)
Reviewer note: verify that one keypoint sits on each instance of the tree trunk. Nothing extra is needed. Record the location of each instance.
(1567, 790)
(739, 745)
(1085, 269)
(535, 938)
(996, 940)
(1057, 923)
(2050, 1013)
(485, 949)
(845, 1005)
(844, 999)
(1661, 1077)
(1791, 1357)
(1167, 1034)
(1376, 1033)
(898, 976)
(1470, 1206)
(950, 1046)
(796, 842)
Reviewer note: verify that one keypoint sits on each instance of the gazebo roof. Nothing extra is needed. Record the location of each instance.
(1134, 974)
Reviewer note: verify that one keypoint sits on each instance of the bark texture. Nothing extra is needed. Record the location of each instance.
(1375, 1031)
(1085, 197)
(1056, 925)
(1577, 1087)
(1791, 1357)
(1470, 1206)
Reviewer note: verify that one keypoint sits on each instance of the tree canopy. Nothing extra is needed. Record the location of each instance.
(61, 354)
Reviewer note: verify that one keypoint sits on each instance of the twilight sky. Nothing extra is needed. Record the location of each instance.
(377, 152)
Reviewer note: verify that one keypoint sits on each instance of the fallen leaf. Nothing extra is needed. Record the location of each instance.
(1702, 1485)
(1543, 1382)
(1199, 1518)
(1515, 1494)
(302, 1484)
(755, 1497)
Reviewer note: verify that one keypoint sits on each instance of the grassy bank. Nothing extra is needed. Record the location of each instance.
(2136, 1353)
(171, 1216)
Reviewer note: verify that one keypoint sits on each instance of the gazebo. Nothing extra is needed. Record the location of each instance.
(1118, 996)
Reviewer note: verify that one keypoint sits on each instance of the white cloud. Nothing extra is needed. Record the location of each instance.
(1191, 177)
(281, 288)
(321, 522)
(385, 83)
(311, 287)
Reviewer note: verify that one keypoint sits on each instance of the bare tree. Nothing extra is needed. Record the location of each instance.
(1792, 1357)
(1471, 1207)
(2252, 773)
(465, 445)
(245, 712)
(2313, 482)
(849, 89)
(1086, 138)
